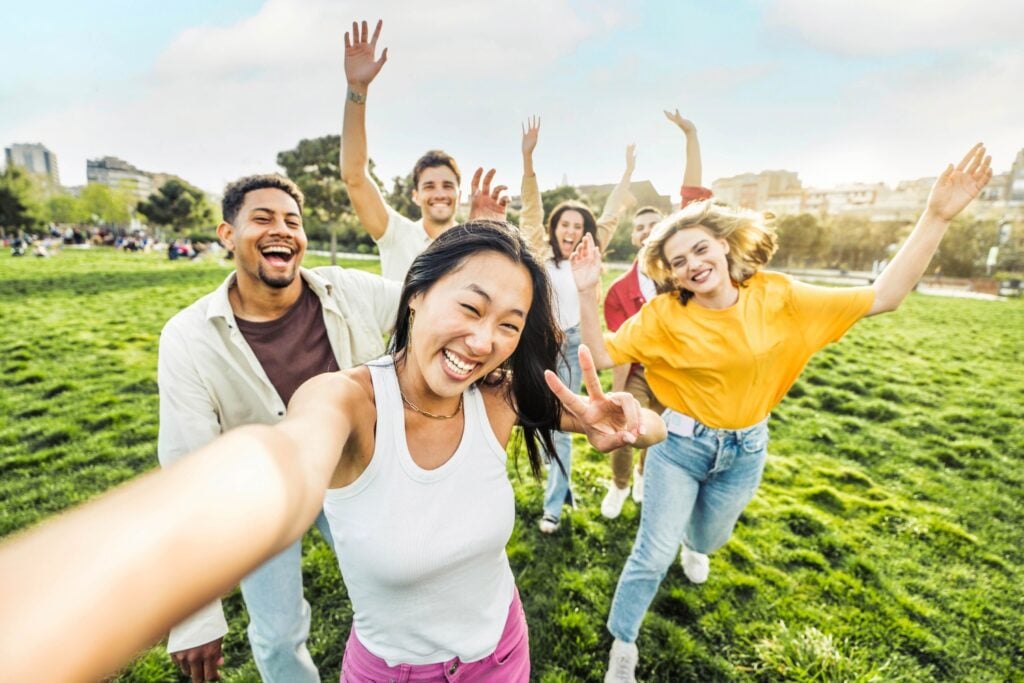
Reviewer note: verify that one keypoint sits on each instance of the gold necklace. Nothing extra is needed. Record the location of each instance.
(419, 410)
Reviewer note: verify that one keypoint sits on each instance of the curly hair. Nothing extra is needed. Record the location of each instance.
(234, 193)
(750, 236)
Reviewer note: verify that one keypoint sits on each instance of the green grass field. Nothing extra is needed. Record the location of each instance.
(884, 545)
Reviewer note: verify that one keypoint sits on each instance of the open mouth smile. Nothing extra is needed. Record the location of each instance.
(277, 254)
(457, 365)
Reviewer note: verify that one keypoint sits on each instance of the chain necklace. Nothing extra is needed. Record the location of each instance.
(434, 416)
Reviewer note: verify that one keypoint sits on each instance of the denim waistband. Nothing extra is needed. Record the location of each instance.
(701, 429)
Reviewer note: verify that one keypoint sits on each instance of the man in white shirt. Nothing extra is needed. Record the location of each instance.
(235, 357)
(435, 176)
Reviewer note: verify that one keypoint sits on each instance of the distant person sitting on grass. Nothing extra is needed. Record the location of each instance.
(235, 357)
(722, 344)
(625, 296)
(407, 456)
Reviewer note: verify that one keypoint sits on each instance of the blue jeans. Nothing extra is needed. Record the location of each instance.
(558, 491)
(279, 615)
(694, 491)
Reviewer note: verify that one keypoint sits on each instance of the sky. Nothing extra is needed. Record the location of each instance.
(836, 91)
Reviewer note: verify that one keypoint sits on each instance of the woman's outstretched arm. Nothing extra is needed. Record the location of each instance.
(952, 192)
(85, 591)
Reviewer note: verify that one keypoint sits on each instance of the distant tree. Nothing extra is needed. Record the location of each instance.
(113, 206)
(179, 206)
(66, 209)
(964, 248)
(552, 198)
(802, 241)
(400, 197)
(19, 200)
(314, 166)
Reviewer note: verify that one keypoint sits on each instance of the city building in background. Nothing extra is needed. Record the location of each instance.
(34, 158)
(118, 173)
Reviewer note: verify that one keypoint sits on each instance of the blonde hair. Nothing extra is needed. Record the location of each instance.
(750, 236)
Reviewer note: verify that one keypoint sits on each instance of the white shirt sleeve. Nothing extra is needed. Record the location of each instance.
(188, 421)
(401, 243)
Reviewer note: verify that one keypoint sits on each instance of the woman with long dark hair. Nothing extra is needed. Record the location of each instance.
(568, 222)
(411, 452)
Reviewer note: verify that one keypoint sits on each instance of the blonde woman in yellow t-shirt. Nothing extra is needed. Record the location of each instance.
(722, 344)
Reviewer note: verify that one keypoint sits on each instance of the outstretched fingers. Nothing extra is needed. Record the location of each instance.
(589, 372)
(576, 405)
(474, 184)
(970, 156)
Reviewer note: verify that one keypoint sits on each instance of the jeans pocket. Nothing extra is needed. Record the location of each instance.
(755, 441)
(506, 651)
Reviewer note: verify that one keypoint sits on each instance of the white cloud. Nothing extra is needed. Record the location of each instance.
(222, 101)
(883, 27)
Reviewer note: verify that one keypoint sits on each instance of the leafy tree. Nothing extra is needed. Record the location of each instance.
(19, 200)
(552, 198)
(66, 209)
(802, 240)
(964, 247)
(314, 165)
(179, 206)
(400, 197)
(113, 206)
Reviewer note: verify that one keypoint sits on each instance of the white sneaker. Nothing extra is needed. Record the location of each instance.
(638, 485)
(611, 506)
(622, 663)
(696, 565)
(548, 525)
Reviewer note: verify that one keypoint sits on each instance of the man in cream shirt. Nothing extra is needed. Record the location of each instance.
(235, 357)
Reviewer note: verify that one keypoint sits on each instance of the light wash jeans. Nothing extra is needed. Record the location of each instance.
(279, 615)
(558, 491)
(694, 491)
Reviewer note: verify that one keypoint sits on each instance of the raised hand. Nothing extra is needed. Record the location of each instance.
(485, 203)
(685, 125)
(531, 129)
(956, 187)
(630, 158)
(361, 67)
(586, 264)
(609, 420)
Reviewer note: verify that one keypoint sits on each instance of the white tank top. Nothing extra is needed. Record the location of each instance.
(422, 552)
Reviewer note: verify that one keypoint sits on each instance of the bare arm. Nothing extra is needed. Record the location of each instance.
(586, 271)
(618, 202)
(94, 579)
(360, 69)
(952, 192)
(531, 218)
(692, 171)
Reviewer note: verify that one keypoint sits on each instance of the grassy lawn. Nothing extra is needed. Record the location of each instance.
(885, 543)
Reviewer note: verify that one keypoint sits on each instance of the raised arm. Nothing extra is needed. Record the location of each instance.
(531, 218)
(360, 69)
(620, 200)
(611, 420)
(692, 171)
(586, 271)
(952, 192)
(94, 580)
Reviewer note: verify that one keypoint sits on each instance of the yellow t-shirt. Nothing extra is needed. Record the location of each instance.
(728, 368)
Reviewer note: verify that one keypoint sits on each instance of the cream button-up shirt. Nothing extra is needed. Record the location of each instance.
(210, 380)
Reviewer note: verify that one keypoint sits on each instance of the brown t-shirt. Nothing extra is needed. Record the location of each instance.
(294, 347)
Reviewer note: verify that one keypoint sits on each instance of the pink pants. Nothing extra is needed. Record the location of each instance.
(510, 661)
